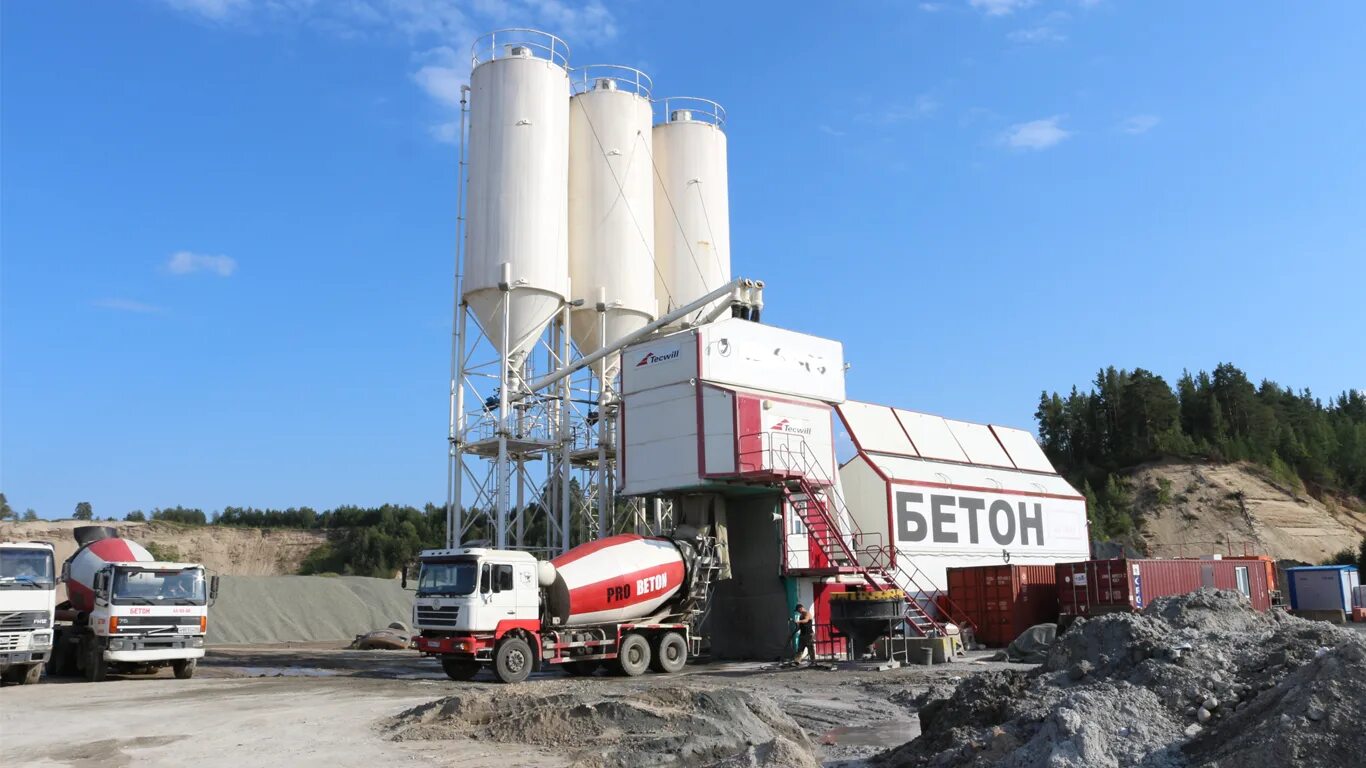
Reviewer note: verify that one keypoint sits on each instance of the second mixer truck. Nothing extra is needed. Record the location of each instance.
(628, 601)
(127, 612)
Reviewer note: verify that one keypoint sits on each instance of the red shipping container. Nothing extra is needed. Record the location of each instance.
(1094, 587)
(1005, 600)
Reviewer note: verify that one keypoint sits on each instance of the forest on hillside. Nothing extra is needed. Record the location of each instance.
(1130, 418)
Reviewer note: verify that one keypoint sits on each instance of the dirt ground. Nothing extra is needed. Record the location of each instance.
(318, 706)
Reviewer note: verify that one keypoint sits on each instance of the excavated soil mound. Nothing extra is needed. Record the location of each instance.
(610, 727)
(1197, 680)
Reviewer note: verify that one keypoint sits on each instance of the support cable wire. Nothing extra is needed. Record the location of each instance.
(621, 190)
(678, 221)
(702, 201)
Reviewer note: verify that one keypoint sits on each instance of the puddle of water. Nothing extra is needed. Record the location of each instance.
(284, 671)
(883, 733)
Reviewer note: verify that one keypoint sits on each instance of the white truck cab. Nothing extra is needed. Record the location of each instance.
(28, 598)
(476, 590)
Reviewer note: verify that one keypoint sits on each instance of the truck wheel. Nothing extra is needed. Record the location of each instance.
(582, 668)
(513, 660)
(460, 669)
(62, 662)
(184, 668)
(96, 668)
(671, 654)
(633, 658)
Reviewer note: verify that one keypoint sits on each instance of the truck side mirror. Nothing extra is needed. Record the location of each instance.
(484, 586)
(101, 585)
(404, 582)
(213, 588)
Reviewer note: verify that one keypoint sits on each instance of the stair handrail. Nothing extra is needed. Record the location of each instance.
(811, 466)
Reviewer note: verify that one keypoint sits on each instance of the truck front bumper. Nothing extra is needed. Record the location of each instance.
(11, 658)
(155, 654)
(153, 648)
(462, 645)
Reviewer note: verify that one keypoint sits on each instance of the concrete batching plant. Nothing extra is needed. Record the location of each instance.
(609, 376)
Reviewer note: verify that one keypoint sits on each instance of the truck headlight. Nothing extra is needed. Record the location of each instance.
(196, 642)
(42, 639)
(115, 643)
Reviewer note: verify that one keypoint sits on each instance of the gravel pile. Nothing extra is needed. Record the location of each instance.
(598, 725)
(1196, 680)
(302, 609)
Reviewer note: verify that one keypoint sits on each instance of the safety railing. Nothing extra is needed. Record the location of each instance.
(519, 42)
(610, 77)
(789, 456)
(691, 109)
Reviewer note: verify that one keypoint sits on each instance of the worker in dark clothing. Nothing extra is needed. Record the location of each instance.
(806, 634)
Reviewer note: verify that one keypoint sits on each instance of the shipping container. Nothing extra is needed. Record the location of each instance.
(1322, 587)
(1004, 600)
(1094, 587)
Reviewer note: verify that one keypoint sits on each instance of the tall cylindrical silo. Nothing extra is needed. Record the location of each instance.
(611, 209)
(692, 202)
(517, 211)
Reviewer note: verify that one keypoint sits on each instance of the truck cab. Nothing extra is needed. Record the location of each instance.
(146, 615)
(28, 598)
(476, 590)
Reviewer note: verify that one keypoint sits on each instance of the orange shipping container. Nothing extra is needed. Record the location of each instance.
(1004, 600)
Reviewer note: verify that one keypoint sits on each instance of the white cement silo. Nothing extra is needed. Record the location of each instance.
(692, 202)
(518, 172)
(611, 209)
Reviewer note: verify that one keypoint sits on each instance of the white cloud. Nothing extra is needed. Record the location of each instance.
(126, 305)
(1137, 124)
(829, 131)
(1036, 134)
(188, 262)
(450, 25)
(214, 10)
(1037, 35)
(1000, 7)
(931, 7)
(442, 75)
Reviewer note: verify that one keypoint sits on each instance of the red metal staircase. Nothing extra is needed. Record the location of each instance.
(812, 496)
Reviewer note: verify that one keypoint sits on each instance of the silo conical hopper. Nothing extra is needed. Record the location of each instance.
(611, 211)
(518, 172)
(692, 203)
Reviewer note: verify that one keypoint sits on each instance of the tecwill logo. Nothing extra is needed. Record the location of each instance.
(786, 426)
(651, 358)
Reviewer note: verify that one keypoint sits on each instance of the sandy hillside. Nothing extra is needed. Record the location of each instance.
(1221, 508)
(223, 550)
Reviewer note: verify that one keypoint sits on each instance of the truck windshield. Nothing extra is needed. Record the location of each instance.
(25, 569)
(448, 577)
(138, 586)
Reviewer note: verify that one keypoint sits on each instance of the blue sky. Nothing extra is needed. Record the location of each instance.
(227, 225)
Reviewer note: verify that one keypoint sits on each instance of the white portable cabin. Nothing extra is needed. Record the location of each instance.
(946, 494)
(727, 401)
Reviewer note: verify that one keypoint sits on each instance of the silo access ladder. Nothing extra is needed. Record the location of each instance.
(812, 497)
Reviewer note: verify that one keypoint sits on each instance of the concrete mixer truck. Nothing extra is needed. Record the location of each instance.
(627, 601)
(127, 612)
(28, 594)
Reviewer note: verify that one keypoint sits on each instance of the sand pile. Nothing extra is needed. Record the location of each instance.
(606, 726)
(302, 609)
(1196, 680)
